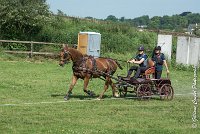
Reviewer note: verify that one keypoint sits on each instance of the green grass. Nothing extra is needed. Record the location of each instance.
(34, 82)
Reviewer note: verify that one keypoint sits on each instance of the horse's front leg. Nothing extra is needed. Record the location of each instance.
(74, 80)
(86, 81)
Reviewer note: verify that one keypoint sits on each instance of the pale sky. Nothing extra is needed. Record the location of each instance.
(123, 8)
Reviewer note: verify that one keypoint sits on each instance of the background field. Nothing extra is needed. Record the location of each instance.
(34, 92)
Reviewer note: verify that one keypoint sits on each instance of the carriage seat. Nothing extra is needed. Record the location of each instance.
(148, 73)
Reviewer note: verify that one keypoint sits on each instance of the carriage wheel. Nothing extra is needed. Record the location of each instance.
(144, 91)
(122, 91)
(166, 92)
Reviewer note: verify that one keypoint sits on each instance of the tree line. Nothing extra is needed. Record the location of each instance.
(178, 22)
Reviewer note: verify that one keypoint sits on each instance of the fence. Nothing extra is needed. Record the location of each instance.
(31, 52)
(188, 50)
(165, 41)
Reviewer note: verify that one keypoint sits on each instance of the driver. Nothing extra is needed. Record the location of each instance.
(141, 59)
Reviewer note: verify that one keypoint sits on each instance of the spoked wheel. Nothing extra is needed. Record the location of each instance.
(144, 91)
(122, 90)
(166, 92)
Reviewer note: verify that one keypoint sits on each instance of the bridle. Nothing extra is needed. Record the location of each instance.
(66, 53)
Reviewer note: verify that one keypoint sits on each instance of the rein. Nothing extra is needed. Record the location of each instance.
(127, 63)
(113, 59)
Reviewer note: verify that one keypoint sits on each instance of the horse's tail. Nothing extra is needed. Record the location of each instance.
(119, 65)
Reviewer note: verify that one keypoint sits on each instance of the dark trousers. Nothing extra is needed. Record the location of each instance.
(138, 70)
(158, 74)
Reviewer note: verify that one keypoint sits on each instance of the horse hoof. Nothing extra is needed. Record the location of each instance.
(66, 98)
(92, 94)
(116, 96)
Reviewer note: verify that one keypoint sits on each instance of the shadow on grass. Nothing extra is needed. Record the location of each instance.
(128, 97)
(81, 97)
(134, 97)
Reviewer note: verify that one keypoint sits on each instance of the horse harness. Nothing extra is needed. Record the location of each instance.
(80, 66)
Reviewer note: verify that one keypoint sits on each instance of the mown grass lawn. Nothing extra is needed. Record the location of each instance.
(35, 91)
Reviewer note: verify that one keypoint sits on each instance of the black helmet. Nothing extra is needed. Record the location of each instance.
(158, 48)
(141, 48)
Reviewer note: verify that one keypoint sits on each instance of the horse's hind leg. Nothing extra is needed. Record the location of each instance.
(74, 80)
(115, 94)
(105, 88)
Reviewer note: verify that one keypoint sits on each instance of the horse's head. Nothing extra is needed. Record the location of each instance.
(64, 56)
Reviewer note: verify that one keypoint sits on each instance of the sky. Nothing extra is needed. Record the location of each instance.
(129, 9)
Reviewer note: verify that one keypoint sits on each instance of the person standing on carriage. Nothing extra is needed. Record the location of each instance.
(159, 59)
(140, 59)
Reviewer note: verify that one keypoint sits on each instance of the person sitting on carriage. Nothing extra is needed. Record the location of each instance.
(141, 59)
(159, 59)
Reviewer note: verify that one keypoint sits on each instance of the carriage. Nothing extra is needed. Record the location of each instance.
(87, 67)
(146, 86)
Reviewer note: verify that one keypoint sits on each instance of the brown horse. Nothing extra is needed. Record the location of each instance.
(86, 67)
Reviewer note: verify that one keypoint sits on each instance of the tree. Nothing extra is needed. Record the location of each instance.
(155, 22)
(60, 13)
(143, 20)
(179, 21)
(193, 18)
(111, 18)
(89, 17)
(185, 13)
(166, 22)
(122, 19)
(23, 19)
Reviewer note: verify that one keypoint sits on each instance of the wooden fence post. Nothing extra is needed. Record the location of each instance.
(31, 54)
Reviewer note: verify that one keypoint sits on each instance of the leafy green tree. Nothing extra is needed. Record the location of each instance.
(166, 22)
(60, 13)
(23, 19)
(155, 23)
(89, 17)
(179, 22)
(185, 13)
(193, 18)
(143, 20)
(122, 19)
(111, 18)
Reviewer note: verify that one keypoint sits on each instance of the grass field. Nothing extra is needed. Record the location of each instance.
(34, 91)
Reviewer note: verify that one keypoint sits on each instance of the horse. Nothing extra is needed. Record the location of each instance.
(86, 67)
